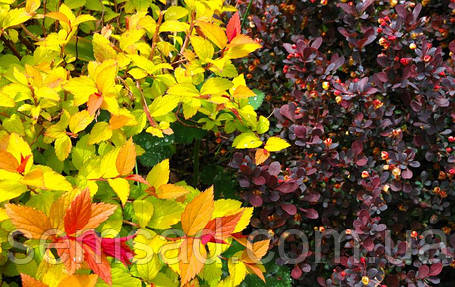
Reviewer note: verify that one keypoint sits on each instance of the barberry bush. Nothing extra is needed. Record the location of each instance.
(368, 91)
(80, 82)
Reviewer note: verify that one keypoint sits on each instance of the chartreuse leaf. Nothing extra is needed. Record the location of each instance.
(166, 213)
(159, 174)
(216, 86)
(80, 121)
(100, 132)
(203, 48)
(121, 277)
(143, 211)
(63, 147)
(246, 140)
(276, 144)
(10, 185)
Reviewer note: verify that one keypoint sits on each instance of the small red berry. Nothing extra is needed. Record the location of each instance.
(448, 149)
(379, 30)
(294, 46)
(343, 274)
(451, 139)
(405, 61)
(452, 171)
(427, 58)
(363, 260)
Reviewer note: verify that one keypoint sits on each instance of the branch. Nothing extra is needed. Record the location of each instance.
(11, 46)
(187, 38)
(155, 36)
(145, 107)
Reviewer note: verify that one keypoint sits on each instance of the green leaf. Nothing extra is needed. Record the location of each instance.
(257, 100)
(150, 269)
(156, 149)
(73, 4)
(121, 277)
(113, 224)
(277, 276)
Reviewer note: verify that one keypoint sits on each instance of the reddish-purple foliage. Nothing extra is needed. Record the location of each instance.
(370, 114)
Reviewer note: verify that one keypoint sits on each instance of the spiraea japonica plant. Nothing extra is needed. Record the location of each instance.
(79, 79)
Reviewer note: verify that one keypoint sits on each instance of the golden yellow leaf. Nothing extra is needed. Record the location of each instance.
(79, 121)
(126, 158)
(261, 155)
(159, 174)
(214, 33)
(79, 280)
(171, 191)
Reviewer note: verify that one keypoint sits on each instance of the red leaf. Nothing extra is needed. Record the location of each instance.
(423, 272)
(138, 178)
(24, 160)
(435, 269)
(233, 27)
(98, 263)
(79, 213)
(114, 247)
(71, 253)
(289, 208)
(220, 228)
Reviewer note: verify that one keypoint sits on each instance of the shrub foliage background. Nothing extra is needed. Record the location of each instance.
(79, 80)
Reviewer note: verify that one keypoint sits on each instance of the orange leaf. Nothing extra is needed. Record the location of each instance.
(170, 191)
(233, 27)
(255, 251)
(192, 257)
(94, 103)
(256, 270)
(8, 161)
(79, 213)
(126, 159)
(261, 156)
(222, 227)
(99, 213)
(79, 281)
(118, 121)
(29, 220)
(71, 253)
(198, 212)
(28, 281)
(98, 263)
